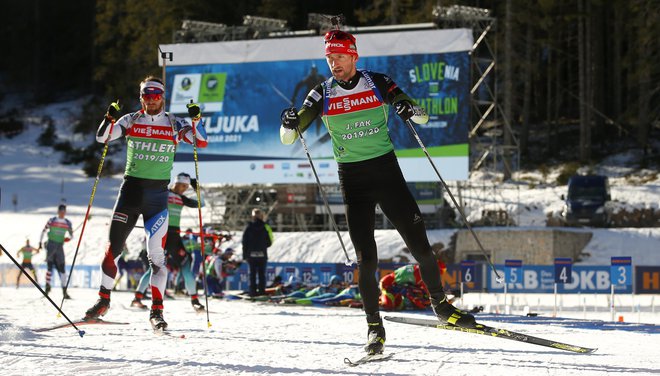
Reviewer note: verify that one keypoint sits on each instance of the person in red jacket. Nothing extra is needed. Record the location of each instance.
(405, 289)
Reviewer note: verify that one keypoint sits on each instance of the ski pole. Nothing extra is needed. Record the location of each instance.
(80, 332)
(498, 278)
(348, 261)
(91, 201)
(199, 212)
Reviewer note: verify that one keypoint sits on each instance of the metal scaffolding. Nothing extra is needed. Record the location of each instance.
(230, 205)
(253, 27)
(488, 120)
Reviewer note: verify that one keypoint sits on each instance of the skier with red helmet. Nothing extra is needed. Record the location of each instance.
(369, 172)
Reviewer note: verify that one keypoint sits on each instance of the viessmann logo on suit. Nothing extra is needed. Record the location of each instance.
(174, 200)
(161, 133)
(355, 102)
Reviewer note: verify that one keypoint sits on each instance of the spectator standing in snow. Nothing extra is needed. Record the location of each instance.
(257, 237)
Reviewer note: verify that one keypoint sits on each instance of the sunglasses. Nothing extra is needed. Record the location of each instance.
(153, 97)
(339, 35)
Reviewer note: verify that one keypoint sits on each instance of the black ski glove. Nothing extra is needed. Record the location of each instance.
(113, 111)
(290, 118)
(193, 110)
(193, 183)
(404, 109)
(111, 115)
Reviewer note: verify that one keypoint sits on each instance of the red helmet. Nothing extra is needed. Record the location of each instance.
(339, 42)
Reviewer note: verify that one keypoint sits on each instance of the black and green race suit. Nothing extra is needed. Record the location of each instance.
(355, 114)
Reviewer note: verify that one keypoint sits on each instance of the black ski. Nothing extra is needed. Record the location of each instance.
(367, 359)
(80, 322)
(494, 332)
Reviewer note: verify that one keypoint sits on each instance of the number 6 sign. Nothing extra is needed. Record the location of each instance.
(467, 271)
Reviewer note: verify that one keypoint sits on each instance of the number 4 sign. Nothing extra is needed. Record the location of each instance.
(563, 274)
(563, 270)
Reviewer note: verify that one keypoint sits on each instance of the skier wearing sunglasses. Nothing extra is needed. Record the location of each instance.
(151, 136)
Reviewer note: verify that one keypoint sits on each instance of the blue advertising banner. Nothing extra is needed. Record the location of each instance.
(541, 279)
(321, 273)
(242, 98)
(311, 274)
(84, 276)
(532, 279)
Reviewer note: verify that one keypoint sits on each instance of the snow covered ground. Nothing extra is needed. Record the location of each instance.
(259, 338)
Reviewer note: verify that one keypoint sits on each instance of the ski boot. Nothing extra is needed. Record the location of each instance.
(99, 309)
(451, 315)
(197, 305)
(375, 334)
(65, 295)
(156, 320)
(137, 301)
(47, 289)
